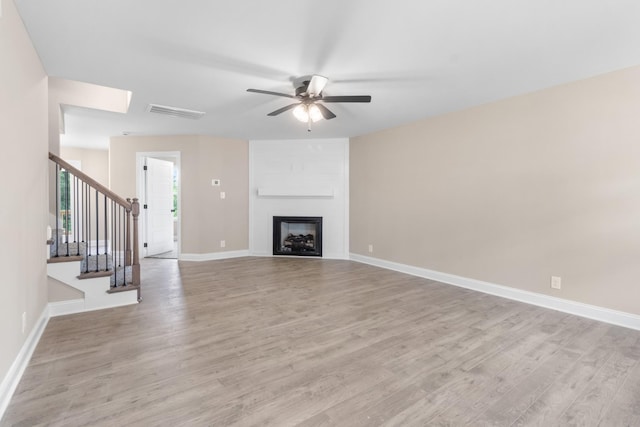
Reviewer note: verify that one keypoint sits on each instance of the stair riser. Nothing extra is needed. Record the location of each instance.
(94, 289)
(123, 275)
(64, 249)
(104, 262)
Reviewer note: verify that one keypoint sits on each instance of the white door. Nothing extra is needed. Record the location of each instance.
(159, 215)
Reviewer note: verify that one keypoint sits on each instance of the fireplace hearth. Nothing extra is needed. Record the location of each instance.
(297, 235)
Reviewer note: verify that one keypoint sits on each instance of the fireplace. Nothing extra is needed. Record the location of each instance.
(297, 235)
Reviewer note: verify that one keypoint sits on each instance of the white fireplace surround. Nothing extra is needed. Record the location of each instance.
(299, 178)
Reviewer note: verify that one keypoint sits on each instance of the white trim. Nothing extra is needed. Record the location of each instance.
(252, 247)
(213, 256)
(614, 317)
(61, 308)
(75, 306)
(347, 198)
(12, 379)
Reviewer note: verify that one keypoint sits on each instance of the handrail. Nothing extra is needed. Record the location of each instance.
(92, 182)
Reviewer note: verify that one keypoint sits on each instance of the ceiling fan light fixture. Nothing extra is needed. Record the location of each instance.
(300, 113)
(304, 112)
(314, 112)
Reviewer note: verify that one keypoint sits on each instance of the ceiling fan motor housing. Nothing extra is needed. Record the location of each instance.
(300, 91)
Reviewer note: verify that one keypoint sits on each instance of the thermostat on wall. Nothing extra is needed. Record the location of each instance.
(215, 182)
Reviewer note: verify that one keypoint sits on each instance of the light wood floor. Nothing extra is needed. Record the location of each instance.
(278, 341)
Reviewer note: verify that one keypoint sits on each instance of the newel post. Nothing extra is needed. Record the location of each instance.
(135, 267)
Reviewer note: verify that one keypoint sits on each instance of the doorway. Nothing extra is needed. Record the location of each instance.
(158, 188)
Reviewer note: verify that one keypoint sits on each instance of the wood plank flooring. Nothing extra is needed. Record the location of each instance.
(282, 342)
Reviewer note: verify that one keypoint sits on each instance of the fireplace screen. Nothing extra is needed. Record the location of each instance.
(297, 235)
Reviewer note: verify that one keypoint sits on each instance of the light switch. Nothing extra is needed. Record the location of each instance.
(223, 195)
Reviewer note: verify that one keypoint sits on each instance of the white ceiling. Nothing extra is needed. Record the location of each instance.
(416, 58)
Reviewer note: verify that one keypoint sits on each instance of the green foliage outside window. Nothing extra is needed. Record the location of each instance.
(64, 180)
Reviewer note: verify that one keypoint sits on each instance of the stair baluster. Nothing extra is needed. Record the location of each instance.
(105, 231)
(75, 219)
(88, 226)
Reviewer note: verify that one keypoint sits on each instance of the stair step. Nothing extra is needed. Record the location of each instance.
(92, 274)
(122, 289)
(65, 259)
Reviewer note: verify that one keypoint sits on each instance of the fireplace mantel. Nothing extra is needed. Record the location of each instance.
(295, 192)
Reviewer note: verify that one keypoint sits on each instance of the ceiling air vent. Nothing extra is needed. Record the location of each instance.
(175, 112)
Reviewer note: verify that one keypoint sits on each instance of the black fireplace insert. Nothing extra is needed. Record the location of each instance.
(297, 235)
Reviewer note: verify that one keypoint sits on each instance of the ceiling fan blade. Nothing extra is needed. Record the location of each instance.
(316, 85)
(283, 109)
(353, 98)
(326, 113)
(268, 92)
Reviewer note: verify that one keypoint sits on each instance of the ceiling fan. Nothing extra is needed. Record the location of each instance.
(309, 107)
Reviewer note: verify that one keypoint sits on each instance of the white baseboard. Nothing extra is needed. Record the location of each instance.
(11, 380)
(614, 317)
(213, 256)
(60, 308)
(119, 299)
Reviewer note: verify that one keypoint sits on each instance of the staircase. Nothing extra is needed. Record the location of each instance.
(94, 242)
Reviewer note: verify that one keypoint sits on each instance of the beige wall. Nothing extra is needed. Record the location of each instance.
(94, 163)
(23, 205)
(206, 219)
(513, 192)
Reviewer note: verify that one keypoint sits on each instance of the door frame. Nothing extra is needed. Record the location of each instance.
(173, 156)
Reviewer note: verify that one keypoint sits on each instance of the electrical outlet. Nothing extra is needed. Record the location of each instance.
(24, 321)
(223, 243)
(223, 195)
(556, 282)
(370, 249)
